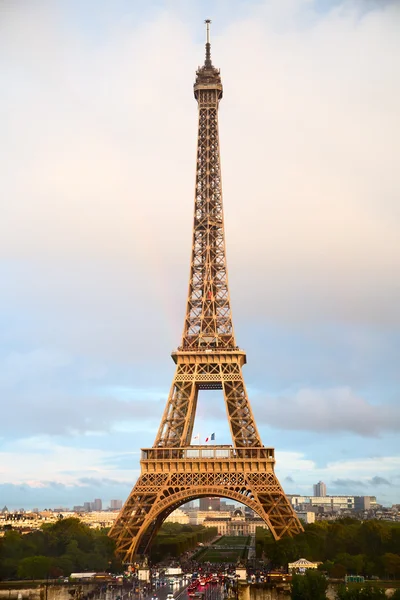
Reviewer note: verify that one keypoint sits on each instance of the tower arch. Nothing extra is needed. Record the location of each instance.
(152, 525)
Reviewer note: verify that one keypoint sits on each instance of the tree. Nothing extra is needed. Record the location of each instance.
(326, 567)
(357, 564)
(391, 564)
(60, 548)
(374, 536)
(310, 586)
(34, 567)
(338, 571)
(12, 545)
(366, 593)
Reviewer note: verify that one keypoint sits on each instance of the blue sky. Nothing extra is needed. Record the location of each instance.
(98, 156)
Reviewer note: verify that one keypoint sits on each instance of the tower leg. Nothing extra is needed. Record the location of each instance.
(177, 423)
(241, 421)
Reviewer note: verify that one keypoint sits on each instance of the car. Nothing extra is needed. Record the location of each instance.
(170, 597)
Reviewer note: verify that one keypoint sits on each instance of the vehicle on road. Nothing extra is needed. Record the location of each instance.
(173, 571)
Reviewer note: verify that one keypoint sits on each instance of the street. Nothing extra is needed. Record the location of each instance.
(179, 590)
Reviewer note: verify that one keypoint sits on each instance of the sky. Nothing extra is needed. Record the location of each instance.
(98, 150)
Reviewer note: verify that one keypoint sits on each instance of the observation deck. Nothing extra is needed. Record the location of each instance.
(209, 355)
(207, 459)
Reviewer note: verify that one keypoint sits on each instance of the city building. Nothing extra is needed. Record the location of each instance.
(228, 506)
(197, 517)
(306, 516)
(319, 489)
(362, 503)
(327, 503)
(178, 516)
(236, 524)
(97, 505)
(99, 519)
(115, 504)
(210, 504)
(332, 503)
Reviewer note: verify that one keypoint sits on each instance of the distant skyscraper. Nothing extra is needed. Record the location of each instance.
(116, 504)
(210, 503)
(319, 489)
(97, 504)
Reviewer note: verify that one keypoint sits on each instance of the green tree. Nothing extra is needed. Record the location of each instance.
(65, 564)
(326, 567)
(12, 545)
(310, 586)
(374, 537)
(366, 593)
(391, 564)
(69, 545)
(34, 567)
(338, 571)
(11, 552)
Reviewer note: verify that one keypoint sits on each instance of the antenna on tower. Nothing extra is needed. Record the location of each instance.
(207, 62)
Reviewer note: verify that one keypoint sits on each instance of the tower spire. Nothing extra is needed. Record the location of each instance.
(207, 62)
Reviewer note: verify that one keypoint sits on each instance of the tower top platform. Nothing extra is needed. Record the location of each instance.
(207, 76)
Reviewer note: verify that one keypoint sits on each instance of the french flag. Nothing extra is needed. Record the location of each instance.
(210, 438)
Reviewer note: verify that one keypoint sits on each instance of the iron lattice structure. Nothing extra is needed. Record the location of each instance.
(173, 471)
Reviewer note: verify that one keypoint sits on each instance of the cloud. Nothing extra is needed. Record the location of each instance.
(54, 393)
(364, 466)
(348, 483)
(49, 495)
(327, 218)
(351, 485)
(289, 479)
(294, 461)
(350, 476)
(123, 461)
(57, 413)
(38, 461)
(104, 481)
(379, 481)
(328, 411)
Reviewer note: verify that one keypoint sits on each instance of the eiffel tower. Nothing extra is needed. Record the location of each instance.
(174, 471)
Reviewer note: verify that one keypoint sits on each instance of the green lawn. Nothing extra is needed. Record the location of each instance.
(235, 540)
(227, 549)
